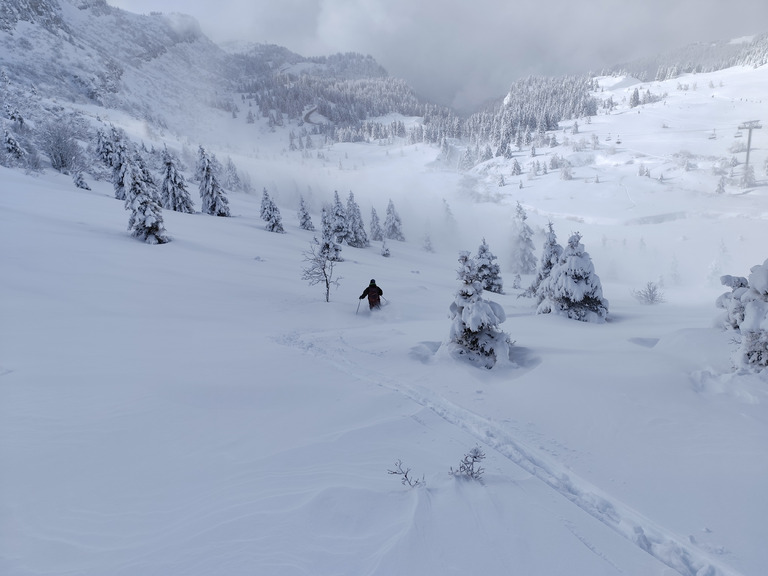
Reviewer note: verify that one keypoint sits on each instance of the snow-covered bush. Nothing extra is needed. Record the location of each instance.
(746, 311)
(474, 332)
(651, 294)
(731, 301)
(57, 139)
(572, 288)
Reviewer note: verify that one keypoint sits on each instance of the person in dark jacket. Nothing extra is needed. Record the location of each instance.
(374, 294)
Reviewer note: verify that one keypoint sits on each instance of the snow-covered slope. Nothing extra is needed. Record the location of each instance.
(159, 68)
(197, 408)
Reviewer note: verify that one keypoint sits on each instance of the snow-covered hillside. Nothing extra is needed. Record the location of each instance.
(197, 408)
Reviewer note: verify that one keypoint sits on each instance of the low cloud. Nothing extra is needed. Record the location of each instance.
(462, 53)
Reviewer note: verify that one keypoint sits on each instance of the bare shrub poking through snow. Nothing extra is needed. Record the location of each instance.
(469, 467)
(405, 476)
(651, 294)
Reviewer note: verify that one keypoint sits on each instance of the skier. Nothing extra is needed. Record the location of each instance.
(374, 294)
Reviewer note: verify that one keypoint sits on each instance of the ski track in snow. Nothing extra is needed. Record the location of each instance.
(644, 533)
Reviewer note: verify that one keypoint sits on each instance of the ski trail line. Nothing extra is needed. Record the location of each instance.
(647, 535)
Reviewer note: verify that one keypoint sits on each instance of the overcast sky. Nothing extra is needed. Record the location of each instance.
(462, 52)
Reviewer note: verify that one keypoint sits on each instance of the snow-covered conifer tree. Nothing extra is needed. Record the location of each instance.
(338, 216)
(113, 150)
(384, 248)
(428, 243)
(356, 236)
(305, 220)
(392, 224)
(328, 236)
(474, 332)
(12, 146)
(79, 180)
(212, 195)
(572, 288)
(173, 192)
(270, 213)
(550, 254)
(146, 221)
(488, 269)
(721, 185)
(231, 176)
(523, 260)
(746, 309)
(377, 234)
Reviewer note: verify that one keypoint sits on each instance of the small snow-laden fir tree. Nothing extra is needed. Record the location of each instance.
(377, 233)
(474, 332)
(731, 301)
(746, 309)
(270, 213)
(523, 260)
(146, 221)
(12, 147)
(232, 179)
(339, 224)
(427, 244)
(79, 180)
(214, 199)
(550, 255)
(572, 288)
(748, 178)
(384, 249)
(393, 227)
(173, 192)
(334, 250)
(114, 151)
(488, 269)
(305, 220)
(356, 235)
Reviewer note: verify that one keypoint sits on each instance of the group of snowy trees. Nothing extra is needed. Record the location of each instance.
(565, 284)
(135, 185)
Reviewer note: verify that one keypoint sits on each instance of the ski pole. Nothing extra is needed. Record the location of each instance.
(358, 306)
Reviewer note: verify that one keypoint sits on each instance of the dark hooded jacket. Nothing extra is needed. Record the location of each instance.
(374, 294)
